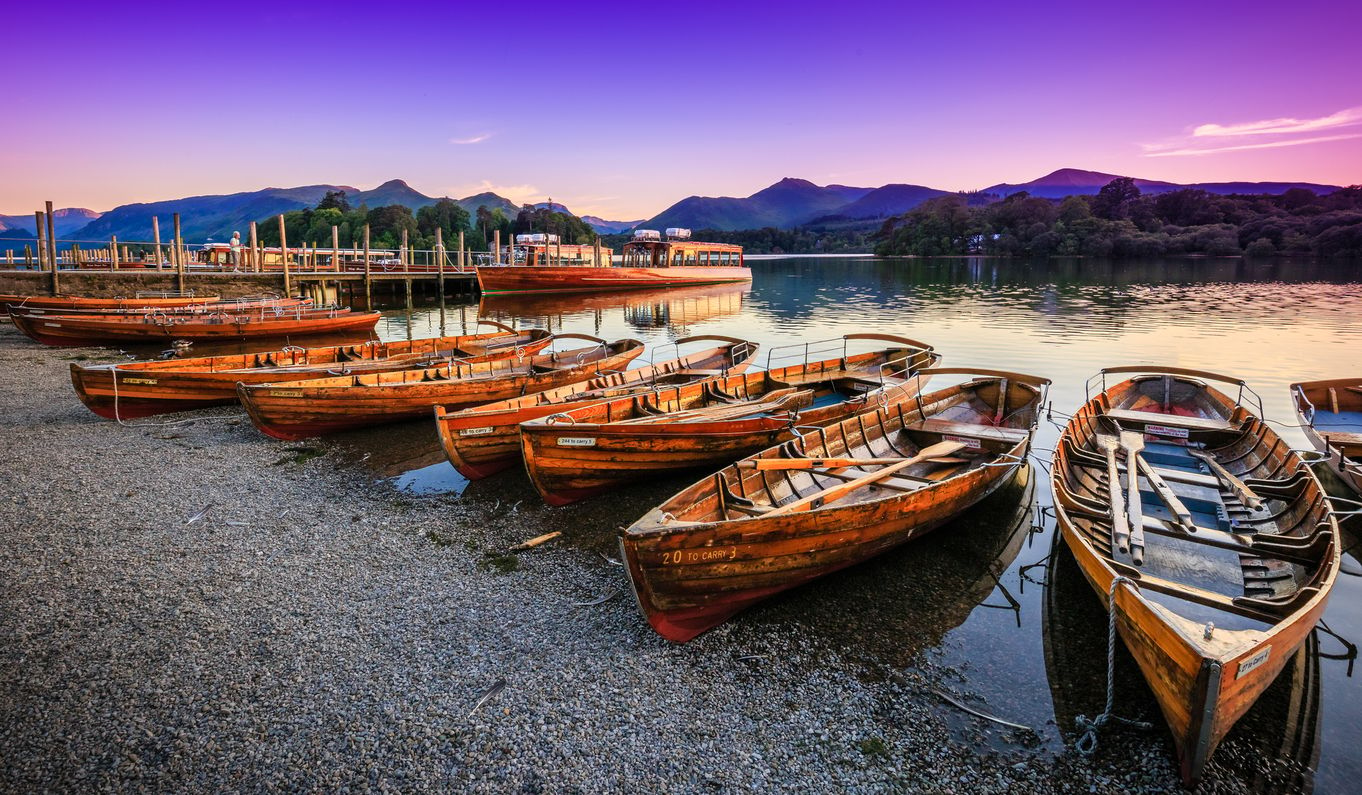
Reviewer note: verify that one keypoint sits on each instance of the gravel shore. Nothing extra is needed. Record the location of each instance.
(316, 630)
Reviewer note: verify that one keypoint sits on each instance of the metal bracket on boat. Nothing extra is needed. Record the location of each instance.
(554, 419)
(1301, 394)
(1357, 511)
(1318, 456)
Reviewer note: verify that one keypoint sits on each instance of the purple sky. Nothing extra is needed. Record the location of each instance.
(621, 109)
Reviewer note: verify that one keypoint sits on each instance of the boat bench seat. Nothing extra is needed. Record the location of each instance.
(970, 430)
(1171, 420)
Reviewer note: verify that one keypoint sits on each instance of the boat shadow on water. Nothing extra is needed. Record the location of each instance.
(1275, 747)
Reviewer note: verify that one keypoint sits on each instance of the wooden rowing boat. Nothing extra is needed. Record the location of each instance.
(1330, 412)
(577, 453)
(319, 406)
(484, 440)
(81, 302)
(199, 309)
(1225, 543)
(832, 498)
(140, 389)
(261, 323)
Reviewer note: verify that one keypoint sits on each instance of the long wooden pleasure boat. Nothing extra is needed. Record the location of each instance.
(649, 261)
(484, 440)
(1330, 412)
(228, 305)
(302, 409)
(141, 389)
(580, 452)
(261, 323)
(80, 302)
(1216, 560)
(832, 498)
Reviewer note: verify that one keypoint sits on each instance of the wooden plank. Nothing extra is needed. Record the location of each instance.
(836, 492)
(971, 430)
(1171, 420)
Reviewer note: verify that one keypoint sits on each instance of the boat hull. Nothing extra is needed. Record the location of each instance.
(1203, 682)
(143, 389)
(76, 302)
(563, 279)
(1341, 446)
(71, 331)
(304, 409)
(756, 563)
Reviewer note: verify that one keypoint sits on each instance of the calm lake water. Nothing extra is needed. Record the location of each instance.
(973, 596)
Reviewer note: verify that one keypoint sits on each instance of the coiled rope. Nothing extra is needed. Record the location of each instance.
(1087, 743)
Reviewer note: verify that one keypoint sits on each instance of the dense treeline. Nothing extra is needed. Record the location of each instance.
(386, 224)
(821, 239)
(1121, 222)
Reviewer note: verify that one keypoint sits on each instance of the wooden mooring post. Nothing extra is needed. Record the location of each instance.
(156, 236)
(52, 249)
(368, 275)
(178, 251)
(496, 248)
(113, 252)
(283, 253)
(257, 257)
(440, 262)
(41, 224)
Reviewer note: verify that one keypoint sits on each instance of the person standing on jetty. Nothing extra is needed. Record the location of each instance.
(234, 254)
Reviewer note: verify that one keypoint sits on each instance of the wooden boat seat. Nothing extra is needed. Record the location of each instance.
(1171, 420)
(970, 430)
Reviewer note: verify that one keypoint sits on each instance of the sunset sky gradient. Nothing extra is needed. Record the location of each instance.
(620, 109)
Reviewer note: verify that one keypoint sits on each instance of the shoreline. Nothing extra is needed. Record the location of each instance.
(317, 629)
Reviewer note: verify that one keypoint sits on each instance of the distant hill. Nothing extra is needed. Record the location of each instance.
(605, 227)
(1076, 182)
(394, 191)
(491, 201)
(889, 200)
(787, 203)
(217, 216)
(64, 221)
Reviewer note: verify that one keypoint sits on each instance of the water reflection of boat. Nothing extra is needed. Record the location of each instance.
(677, 307)
(1274, 748)
(890, 609)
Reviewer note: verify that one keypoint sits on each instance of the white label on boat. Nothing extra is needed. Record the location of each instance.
(286, 393)
(576, 441)
(1249, 663)
(51, 325)
(972, 444)
(476, 431)
(147, 381)
(1164, 430)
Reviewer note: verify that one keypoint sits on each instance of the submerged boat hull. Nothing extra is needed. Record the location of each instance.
(563, 279)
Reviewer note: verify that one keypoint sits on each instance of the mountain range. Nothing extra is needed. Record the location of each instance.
(788, 203)
(64, 221)
(796, 202)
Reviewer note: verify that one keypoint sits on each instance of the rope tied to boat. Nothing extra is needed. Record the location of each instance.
(1087, 743)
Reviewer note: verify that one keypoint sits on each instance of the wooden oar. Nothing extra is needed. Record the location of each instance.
(835, 463)
(1136, 465)
(1120, 530)
(1252, 501)
(1134, 510)
(842, 489)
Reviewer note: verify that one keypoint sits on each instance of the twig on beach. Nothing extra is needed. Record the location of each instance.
(977, 713)
(536, 541)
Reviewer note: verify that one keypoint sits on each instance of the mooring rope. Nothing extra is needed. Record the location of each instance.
(1087, 743)
(118, 417)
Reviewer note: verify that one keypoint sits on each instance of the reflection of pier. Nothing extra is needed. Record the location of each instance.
(672, 308)
(1275, 747)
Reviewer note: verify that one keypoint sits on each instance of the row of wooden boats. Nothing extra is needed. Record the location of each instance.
(73, 322)
(1207, 538)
